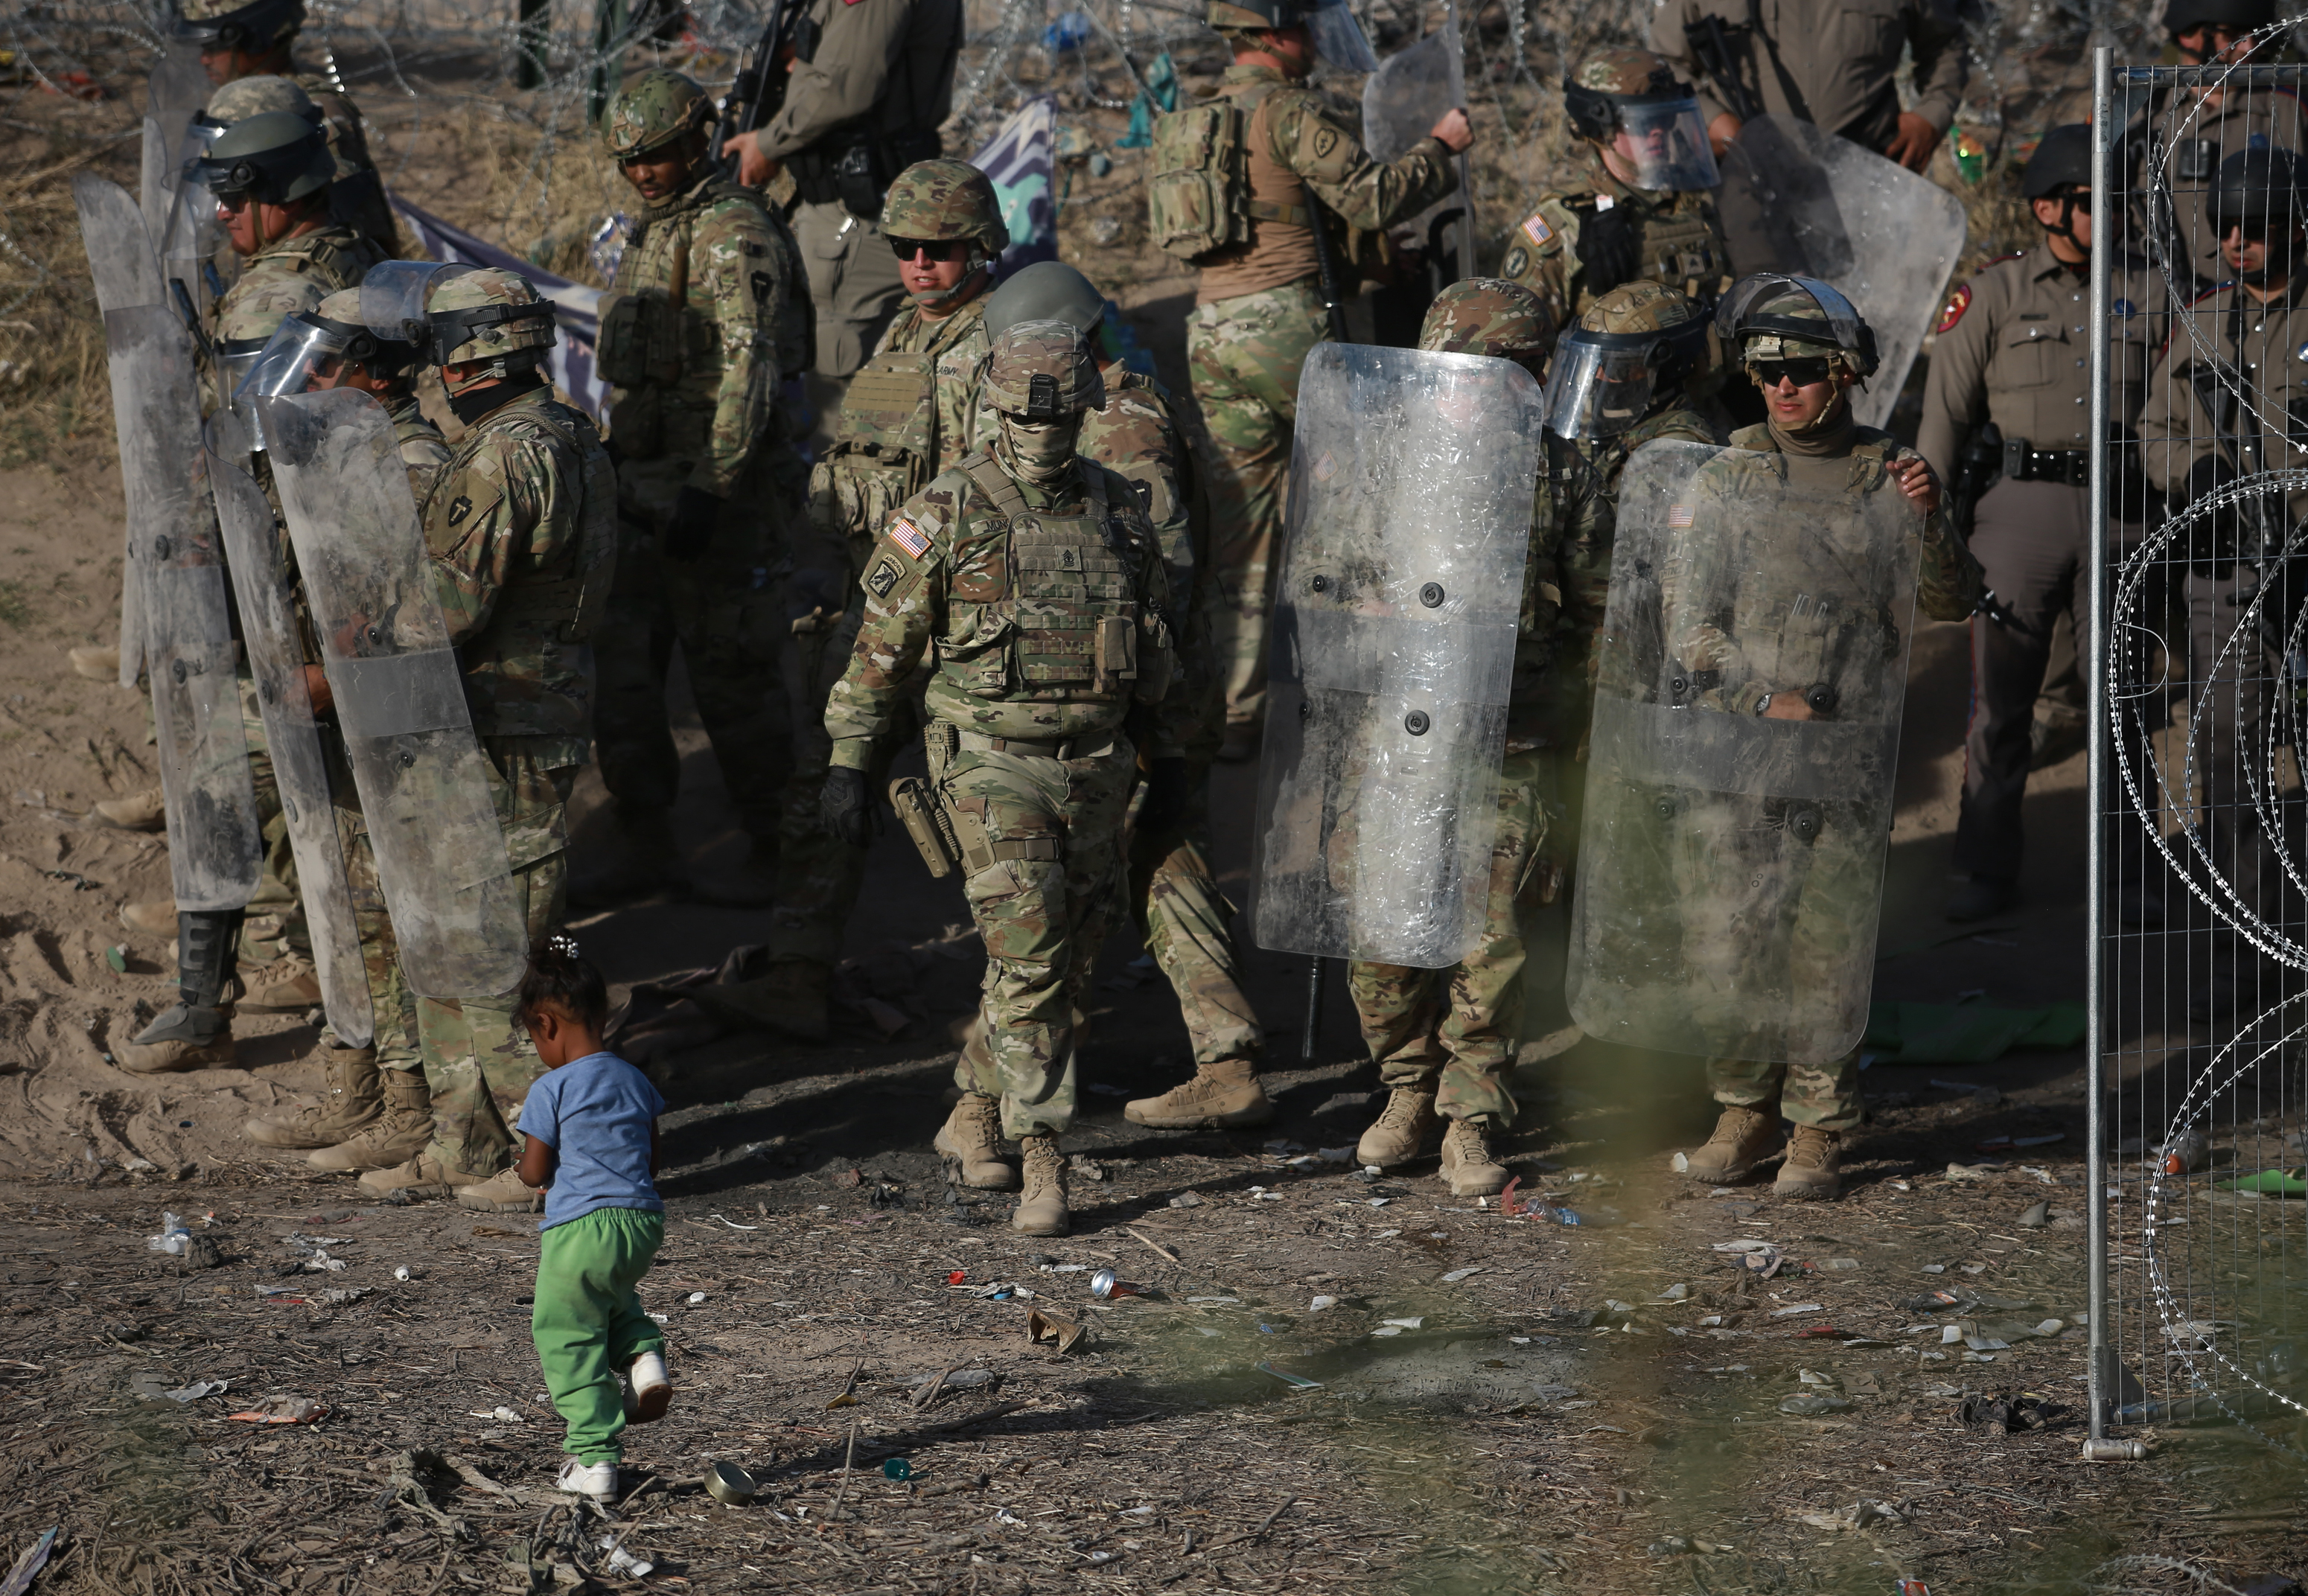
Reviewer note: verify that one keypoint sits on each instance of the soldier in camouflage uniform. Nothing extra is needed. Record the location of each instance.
(520, 525)
(1444, 1040)
(256, 40)
(912, 412)
(1609, 226)
(271, 174)
(1259, 307)
(1025, 590)
(691, 336)
(1183, 918)
(1789, 347)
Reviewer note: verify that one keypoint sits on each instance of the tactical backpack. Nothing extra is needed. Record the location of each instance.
(1196, 199)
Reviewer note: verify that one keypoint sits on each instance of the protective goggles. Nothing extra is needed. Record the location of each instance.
(929, 249)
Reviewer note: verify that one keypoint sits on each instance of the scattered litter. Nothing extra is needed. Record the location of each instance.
(1815, 1402)
(1105, 1284)
(1405, 1324)
(2037, 1215)
(173, 1239)
(1789, 1312)
(1934, 1268)
(1188, 1199)
(2021, 1411)
(1295, 1382)
(500, 1413)
(1843, 1263)
(695, 1298)
(1860, 1515)
(734, 1225)
(404, 1273)
(1045, 1327)
(283, 1410)
(27, 1567)
(1320, 1303)
(727, 1483)
(321, 1263)
(1457, 1275)
(1675, 1294)
(1744, 1246)
(897, 1468)
(622, 1561)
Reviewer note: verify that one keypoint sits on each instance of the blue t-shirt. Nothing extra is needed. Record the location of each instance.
(595, 1112)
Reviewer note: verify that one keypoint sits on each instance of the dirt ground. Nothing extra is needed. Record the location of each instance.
(1592, 1409)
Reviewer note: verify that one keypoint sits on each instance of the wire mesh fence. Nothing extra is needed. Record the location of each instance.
(2200, 340)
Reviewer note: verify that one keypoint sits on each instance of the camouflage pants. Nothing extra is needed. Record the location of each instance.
(477, 1060)
(1823, 1094)
(1457, 1029)
(818, 875)
(1055, 830)
(726, 610)
(1243, 355)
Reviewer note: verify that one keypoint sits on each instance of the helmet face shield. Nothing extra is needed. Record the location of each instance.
(393, 298)
(1665, 141)
(306, 352)
(1601, 383)
(1338, 37)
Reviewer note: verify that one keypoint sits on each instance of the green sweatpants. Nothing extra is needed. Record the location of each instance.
(587, 1323)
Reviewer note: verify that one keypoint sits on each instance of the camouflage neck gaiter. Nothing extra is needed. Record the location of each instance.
(1038, 451)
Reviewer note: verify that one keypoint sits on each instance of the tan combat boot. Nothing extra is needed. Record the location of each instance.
(1813, 1170)
(969, 1145)
(1042, 1206)
(502, 1193)
(1468, 1164)
(1223, 1095)
(394, 1137)
(1401, 1132)
(423, 1176)
(351, 1101)
(133, 812)
(1744, 1137)
(289, 984)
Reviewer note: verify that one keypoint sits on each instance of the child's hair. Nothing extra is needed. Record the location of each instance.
(564, 980)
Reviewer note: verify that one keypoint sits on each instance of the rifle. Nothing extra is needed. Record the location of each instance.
(1326, 269)
(759, 89)
(1710, 46)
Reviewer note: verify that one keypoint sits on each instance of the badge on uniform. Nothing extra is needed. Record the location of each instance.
(1957, 302)
(1517, 259)
(2124, 310)
(883, 577)
(1536, 229)
(1325, 141)
(765, 284)
(459, 509)
(910, 537)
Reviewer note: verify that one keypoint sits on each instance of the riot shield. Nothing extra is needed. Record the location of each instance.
(400, 696)
(1402, 100)
(1739, 782)
(175, 619)
(1393, 644)
(1800, 200)
(268, 630)
(180, 214)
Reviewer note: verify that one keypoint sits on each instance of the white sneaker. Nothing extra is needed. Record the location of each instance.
(647, 1392)
(598, 1481)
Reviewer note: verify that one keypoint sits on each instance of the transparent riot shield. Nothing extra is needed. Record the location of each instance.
(1403, 100)
(1802, 201)
(399, 698)
(1739, 782)
(176, 622)
(268, 630)
(1393, 643)
(180, 214)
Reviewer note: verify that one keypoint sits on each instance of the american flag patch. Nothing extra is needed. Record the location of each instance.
(1536, 229)
(910, 537)
(1679, 515)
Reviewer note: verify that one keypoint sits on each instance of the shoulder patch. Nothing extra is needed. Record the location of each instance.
(886, 573)
(1325, 141)
(1957, 302)
(460, 508)
(910, 537)
(1536, 229)
(1518, 258)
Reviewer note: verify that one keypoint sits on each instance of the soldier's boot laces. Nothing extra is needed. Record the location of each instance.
(1468, 1163)
(1223, 1095)
(501, 1193)
(350, 1102)
(146, 811)
(1813, 1170)
(397, 1135)
(754, 881)
(1042, 1206)
(1742, 1138)
(969, 1145)
(289, 984)
(1402, 1131)
(196, 1033)
(639, 860)
(423, 1176)
(791, 997)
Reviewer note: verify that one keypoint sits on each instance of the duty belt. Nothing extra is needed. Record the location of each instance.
(1089, 745)
(2023, 463)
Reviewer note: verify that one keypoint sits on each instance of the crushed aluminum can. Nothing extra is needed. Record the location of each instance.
(1105, 1285)
(730, 1485)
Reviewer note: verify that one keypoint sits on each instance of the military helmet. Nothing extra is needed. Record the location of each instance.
(2255, 186)
(653, 110)
(243, 97)
(945, 199)
(1632, 351)
(488, 314)
(276, 158)
(1487, 315)
(1593, 94)
(2063, 155)
(1772, 316)
(2242, 15)
(1337, 37)
(1254, 16)
(253, 27)
(1043, 371)
(1046, 291)
(1688, 348)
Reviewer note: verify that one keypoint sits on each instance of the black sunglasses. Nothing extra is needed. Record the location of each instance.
(1803, 373)
(929, 249)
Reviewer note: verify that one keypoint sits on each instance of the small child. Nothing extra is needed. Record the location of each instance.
(591, 1137)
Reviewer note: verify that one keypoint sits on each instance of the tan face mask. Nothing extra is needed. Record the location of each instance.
(1040, 450)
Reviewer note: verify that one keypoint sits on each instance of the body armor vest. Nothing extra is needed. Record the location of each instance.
(1681, 246)
(885, 439)
(576, 597)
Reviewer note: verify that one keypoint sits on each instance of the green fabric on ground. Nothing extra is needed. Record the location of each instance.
(2271, 1182)
(587, 1323)
(1967, 1033)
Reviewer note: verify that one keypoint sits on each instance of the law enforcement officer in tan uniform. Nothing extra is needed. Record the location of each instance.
(1239, 202)
(869, 82)
(2008, 402)
(1829, 63)
(1640, 206)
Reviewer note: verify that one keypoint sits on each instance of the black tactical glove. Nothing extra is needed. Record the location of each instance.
(843, 808)
(2211, 537)
(696, 517)
(1606, 250)
(1167, 791)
